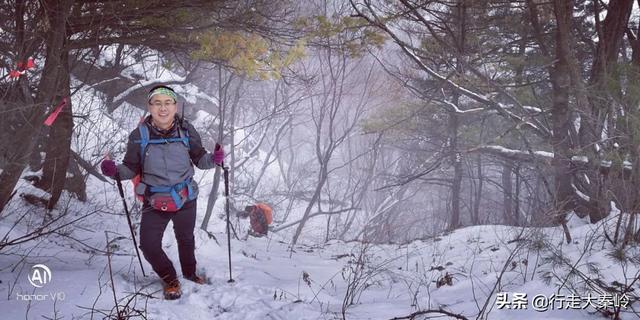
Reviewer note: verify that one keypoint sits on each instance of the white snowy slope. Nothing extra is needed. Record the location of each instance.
(385, 281)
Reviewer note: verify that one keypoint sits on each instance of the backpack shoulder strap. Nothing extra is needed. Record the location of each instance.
(184, 136)
(144, 140)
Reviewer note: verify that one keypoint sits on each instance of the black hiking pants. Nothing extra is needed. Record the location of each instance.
(152, 227)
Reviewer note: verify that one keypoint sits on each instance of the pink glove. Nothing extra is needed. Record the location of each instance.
(109, 168)
(218, 155)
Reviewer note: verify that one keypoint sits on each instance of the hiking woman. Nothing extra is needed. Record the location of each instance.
(162, 152)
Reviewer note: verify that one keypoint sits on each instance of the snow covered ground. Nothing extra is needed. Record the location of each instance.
(383, 281)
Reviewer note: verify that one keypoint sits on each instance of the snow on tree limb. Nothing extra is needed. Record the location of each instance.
(580, 193)
(540, 155)
(454, 108)
(514, 154)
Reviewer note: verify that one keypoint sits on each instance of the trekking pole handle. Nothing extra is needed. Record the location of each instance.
(216, 148)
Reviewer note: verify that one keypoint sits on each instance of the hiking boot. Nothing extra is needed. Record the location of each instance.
(197, 279)
(172, 290)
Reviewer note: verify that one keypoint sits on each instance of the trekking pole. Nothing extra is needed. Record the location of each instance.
(226, 195)
(126, 210)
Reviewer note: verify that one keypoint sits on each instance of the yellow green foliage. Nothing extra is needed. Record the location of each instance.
(249, 54)
(256, 57)
(351, 34)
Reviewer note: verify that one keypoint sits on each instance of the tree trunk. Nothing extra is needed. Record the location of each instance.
(75, 183)
(560, 114)
(58, 145)
(475, 215)
(24, 140)
(600, 99)
(516, 198)
(368, 180)
(232, 130)
(507, 187)
(632, 128)
(213, 195)
(456, 158)
(316, 195)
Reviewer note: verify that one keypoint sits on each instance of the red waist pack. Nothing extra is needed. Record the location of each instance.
(164, 201)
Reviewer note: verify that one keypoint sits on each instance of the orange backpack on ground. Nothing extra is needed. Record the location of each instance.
(260, 218)
(267, 211)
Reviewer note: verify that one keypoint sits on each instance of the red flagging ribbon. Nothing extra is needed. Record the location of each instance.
(52, 117)
(29, 64)
(22, 68)
(15, 74)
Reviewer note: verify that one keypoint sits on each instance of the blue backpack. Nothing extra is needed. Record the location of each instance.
(171, 190)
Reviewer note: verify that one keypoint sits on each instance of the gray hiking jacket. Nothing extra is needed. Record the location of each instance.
(165, 164)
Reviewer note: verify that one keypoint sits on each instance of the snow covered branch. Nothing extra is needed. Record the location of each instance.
(143, 84)
(513, 154)
(538, 155)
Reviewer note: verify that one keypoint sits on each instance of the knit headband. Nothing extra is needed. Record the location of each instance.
(163, 90)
